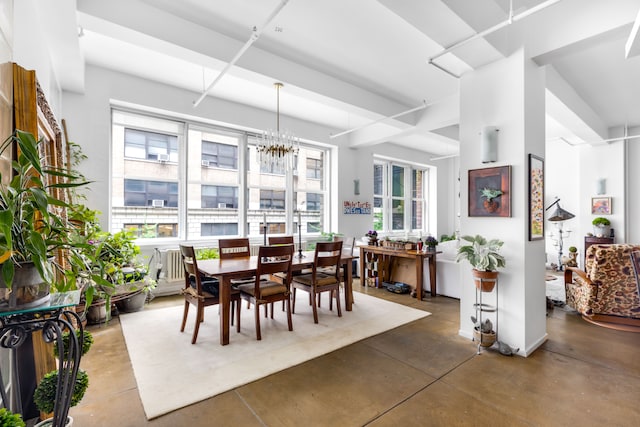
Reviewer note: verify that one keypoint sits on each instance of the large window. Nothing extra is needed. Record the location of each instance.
(178, 179)
(391, 197)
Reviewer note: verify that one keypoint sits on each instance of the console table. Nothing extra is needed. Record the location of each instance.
(52, 318)
(386, 254)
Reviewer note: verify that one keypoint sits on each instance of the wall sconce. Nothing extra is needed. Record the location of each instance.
(356, 187)
(489, 144)
(601, 186)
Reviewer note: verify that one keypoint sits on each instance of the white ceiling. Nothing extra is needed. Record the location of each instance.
(347, 63)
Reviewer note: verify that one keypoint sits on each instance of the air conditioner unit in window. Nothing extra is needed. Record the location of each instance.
(157, 203)
(205, 163)
(222, 205)
(163, 157)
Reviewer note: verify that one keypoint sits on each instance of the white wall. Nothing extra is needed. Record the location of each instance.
(632, 158)
(510, 95)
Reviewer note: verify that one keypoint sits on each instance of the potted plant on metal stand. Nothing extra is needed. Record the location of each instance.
(484, 257)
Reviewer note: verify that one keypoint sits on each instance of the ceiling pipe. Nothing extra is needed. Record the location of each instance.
(420, 107)
(512, 18)
(254, 36)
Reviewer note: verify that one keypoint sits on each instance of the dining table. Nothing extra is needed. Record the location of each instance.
(227, 269)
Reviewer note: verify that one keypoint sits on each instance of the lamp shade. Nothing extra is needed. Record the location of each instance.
(560, 214)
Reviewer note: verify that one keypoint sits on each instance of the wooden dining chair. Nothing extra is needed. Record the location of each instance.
(324, 277)
(202, 293)
(234, 248)
(280, 240)
(271, 260)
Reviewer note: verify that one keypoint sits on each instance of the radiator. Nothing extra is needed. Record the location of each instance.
(174, 271)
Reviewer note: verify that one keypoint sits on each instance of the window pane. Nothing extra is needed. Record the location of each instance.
(378, 177)
(397, 182)
(416, 215)
(378, 214)
(397, 217)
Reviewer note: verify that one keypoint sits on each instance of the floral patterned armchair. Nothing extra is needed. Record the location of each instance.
(606, 292)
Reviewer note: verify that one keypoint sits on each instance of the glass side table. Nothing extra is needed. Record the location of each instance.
(52, 318)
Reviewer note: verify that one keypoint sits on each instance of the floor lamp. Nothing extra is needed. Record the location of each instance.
(558, 218)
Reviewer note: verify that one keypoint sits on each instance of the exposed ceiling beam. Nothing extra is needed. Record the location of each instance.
(632, 47)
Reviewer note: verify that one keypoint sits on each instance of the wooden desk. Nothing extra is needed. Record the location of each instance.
(228, 269)
(418, 256)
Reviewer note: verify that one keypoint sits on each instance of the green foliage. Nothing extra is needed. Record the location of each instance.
(482, 254)
(87, 342)
(431, 241)
(599, 221)
(30, 229)
(9, 419)
(490, 193)
(446, 238)
(573, 249)
(207, 253)
(45, 394)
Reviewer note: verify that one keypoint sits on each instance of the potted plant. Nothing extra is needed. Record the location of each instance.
(489, 195)
(601, 227)
(431, 243)
(373, 237)
(32, 231)
(44, 395)
(9, 419)
(573, 255)
(485, 258)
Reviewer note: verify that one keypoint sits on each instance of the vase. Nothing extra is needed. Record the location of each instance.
(27, 289)
(485, 280)
(602, 230)
(491, 205)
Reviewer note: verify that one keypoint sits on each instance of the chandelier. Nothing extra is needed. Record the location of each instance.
(276, 149)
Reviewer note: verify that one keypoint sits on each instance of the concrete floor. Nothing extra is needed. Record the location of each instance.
(420, 374)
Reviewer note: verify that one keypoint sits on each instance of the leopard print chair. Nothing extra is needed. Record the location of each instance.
(606, 292)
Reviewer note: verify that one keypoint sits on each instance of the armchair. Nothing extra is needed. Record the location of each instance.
(606, 292)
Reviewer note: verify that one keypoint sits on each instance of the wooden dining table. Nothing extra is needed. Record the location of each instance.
(227, 269)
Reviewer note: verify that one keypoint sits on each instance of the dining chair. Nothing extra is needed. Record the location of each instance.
(271, 260)
(236, 248)
(323, 278)
(202, 293)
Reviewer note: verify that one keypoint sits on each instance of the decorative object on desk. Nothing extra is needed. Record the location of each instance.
(373, 237)
(488, 184)
(431, 243)
(32, 233)
(300, 254)
(9, 419)
(601, 227)
(483, 332)
(276, 149)
(558, 217)
(601, 206)
(536, 198)
(485, 258)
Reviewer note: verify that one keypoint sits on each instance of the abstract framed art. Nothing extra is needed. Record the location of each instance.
(536, 197)
(490, 191)
(601, 205)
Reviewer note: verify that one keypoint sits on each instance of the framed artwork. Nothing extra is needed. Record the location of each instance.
(536, 197)
(490, 191)
(601, 205)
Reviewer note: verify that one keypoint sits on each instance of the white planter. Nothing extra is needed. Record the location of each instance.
(602, 230)
(49, 422)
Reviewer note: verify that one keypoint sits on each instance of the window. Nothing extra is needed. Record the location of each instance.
(157, 194)
(219, 196)
(391, 198)
(314, 201)
(219, 155)
(213, 183)
(219, 229)
(314, 168)
(139, 144)
(272, 199)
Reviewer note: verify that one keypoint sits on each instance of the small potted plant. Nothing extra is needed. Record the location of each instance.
(373, 237)
(601, 227)
(431, 243)
(490, 194)
(485, 258)
(9, 419)
(483, 332)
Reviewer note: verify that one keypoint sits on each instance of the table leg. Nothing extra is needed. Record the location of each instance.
(432, 274)
(348, 285)
(363, 262)
(225, 299)
(419, 269)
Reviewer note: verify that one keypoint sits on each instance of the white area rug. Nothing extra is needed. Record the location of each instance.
(171, 373)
